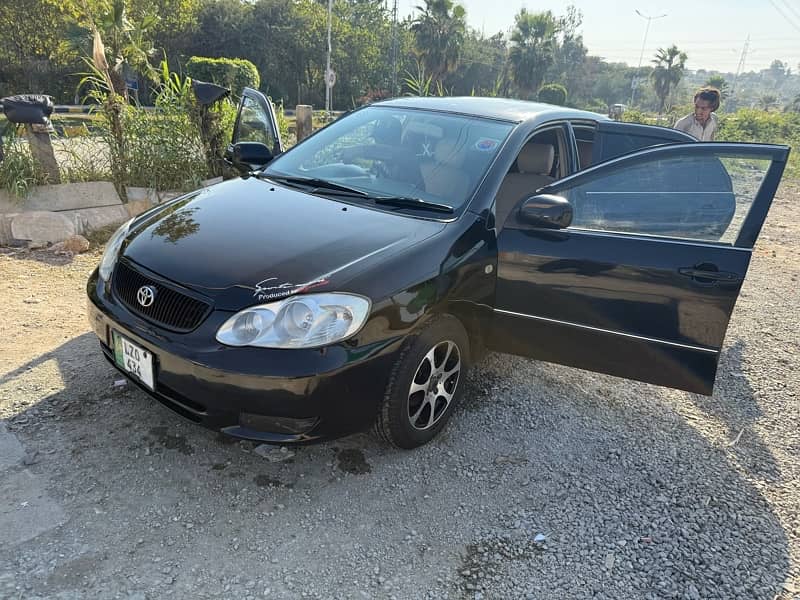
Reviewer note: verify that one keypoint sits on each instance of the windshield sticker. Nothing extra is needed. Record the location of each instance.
(486, 144)
(263, 291)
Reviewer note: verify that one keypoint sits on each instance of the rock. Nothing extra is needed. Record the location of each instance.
(74, 244)
(272, 453)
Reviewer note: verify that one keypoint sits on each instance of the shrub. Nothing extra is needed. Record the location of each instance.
(232, 73)
(553, 93)
(18, 170)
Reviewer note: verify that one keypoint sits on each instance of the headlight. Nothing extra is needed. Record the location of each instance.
(306, 321)
(111, 251)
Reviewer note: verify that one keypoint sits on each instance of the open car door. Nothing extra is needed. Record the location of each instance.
(255, 122)
(643, 281)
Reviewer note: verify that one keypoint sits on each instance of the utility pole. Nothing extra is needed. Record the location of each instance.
(635, 82)
(740, 67)
(328, 71)
(394, 49)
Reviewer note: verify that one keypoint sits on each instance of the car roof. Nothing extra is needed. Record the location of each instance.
(505, 109)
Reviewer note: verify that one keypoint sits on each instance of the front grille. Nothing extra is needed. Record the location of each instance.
(171, 309)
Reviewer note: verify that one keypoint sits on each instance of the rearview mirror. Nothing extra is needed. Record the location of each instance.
(546, 210)
(249, 156)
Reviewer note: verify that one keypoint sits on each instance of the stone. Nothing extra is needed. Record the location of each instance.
(41, 227)
(74, 244)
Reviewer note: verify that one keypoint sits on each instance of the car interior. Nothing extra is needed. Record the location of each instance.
(584, 138)
(538, 164)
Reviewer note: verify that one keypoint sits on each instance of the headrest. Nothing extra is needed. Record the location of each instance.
(536, 158)
(451, 152)
(388, 131)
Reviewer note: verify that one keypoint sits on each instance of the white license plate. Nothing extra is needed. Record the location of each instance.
(134, 360)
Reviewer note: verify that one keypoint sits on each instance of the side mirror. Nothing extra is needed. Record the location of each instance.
(546, 210)
(248, 156)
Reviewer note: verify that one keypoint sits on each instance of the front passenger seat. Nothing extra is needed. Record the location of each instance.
(534, 162)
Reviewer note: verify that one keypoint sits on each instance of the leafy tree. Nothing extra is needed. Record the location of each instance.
(553, 93)
(669, 67)
(439, 32)
(483, 69)
(569, 56)
(33, 53)
(532, 48)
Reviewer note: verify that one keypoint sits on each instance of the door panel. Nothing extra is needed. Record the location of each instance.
(626, 300)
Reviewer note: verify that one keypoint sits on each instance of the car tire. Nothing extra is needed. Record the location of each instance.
(425, 385)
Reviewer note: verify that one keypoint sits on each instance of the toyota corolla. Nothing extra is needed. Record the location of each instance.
(352, 280)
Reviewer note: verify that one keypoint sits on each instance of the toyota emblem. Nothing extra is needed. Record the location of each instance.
(146, 295)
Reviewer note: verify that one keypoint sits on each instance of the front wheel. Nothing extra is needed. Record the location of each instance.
(425, 385)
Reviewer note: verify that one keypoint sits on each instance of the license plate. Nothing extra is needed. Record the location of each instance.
(134, 359)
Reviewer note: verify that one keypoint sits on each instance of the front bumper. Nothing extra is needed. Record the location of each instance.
(268, 395)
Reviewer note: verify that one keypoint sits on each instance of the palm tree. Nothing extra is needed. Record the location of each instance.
(767, 101)
(439, 32)
(533, 44)
(668, 71)
(718, 81)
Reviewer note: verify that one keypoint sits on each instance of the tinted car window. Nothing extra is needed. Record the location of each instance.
(254, 124)
(702, 198)
(400, 152)
(618, 139)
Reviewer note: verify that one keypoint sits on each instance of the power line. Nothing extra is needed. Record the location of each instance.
(791, 8)
(784, 15)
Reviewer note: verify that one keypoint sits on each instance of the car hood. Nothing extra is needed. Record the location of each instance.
(250, 240)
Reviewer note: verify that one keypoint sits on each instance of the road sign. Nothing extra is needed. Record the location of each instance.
(330, 77)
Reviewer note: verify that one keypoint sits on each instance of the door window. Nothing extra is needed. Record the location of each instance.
(255, 125)
(700, 197)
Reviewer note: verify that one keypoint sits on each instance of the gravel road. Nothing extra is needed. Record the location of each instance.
(548, 483)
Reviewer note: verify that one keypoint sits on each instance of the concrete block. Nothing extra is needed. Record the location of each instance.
(42, 227)
(89, 219)
(65, 196)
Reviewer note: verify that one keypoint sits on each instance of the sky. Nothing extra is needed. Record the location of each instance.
(711, 32)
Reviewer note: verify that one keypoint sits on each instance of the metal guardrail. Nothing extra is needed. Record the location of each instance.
(86, 109)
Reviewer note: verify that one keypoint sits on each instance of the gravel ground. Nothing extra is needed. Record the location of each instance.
(549, 482)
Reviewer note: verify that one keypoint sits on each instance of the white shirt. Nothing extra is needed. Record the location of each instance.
(704, 133)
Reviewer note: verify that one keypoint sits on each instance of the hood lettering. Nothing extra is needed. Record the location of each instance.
(283, 290)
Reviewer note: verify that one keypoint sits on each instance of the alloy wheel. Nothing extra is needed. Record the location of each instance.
(434, 385)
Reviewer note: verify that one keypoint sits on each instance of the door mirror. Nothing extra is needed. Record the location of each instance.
(546, 210)
(249, 156)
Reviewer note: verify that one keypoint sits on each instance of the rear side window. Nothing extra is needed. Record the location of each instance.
(619, 139)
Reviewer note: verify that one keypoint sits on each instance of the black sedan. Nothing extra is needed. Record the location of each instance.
(352, 280)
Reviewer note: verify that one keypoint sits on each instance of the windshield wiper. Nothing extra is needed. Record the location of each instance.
(406, 202)
(315, 184)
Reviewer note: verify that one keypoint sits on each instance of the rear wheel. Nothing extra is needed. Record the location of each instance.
(425, 385)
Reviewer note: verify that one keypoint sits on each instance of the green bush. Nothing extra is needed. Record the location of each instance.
(232, 73)
(18, 170)
(553, 93)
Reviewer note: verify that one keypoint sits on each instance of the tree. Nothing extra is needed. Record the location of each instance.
(669, 67)
(439, 32)
(553, 93)
(767, 101)
(533, 43)
(569, 58)
(718, 81)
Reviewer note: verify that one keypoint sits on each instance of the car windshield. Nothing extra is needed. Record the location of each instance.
(401, 154)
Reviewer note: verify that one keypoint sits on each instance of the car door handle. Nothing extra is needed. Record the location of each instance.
(705, 274)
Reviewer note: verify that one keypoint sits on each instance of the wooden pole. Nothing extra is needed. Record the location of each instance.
(303, 121)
